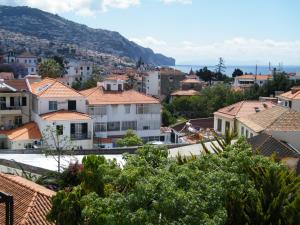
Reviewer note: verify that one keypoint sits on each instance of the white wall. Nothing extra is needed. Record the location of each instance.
(44, 124)
(152, 81)
(62, 103)
(224, 120)
(247, 130)
(118, 113)
(30, 64)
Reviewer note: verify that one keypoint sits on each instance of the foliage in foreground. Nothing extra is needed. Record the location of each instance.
(232, 187)
(130, 139)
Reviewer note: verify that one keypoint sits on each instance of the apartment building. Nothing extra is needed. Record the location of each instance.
(115, 110)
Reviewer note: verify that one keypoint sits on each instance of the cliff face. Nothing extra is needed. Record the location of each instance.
(42, 25)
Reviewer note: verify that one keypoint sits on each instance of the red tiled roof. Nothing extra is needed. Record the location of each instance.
(49, 87)
(32, 202)
(244, 108)
(185, 93)
(6, 75)
(64, 115)
(28, 131)
(294, 93)
(257, 77)
(19, 84)
(98, 96)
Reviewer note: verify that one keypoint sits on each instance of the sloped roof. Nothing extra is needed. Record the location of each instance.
(261, 120)
(6, 75)
(185, 93)
(98, 96)
(257, 77)
(65, 115)
(31, 201)
(288, 121)
(293, 95)
(26, 55)
(117, 77)
(18, 84)
(244, 108)
(28, 131)
(52, 88)
(267, 145)
(191, 81)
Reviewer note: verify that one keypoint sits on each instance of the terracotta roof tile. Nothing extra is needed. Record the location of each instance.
(32, 202)
(29, 131)
(292, 94)
(244, 108)
(19, 84)
(185, 93)
(98, 96)
(261, 120)
(6, 75)
(257, 77)
(288, 121)
(49, 87)
(64, 115)
(191, 81)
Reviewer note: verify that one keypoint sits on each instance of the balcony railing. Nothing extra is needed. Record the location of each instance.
(77, 137)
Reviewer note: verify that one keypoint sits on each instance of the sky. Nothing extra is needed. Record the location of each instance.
(243, 32)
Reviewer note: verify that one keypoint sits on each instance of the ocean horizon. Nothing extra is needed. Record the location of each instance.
(261, 69)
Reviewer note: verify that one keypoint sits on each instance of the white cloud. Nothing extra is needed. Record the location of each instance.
(121, 4)
(148, 41)
(184, 2)
(236, 50)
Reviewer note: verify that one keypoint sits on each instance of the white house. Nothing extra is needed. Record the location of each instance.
(77, 71)
(246, 81)
(59, 107)
(226, 118)
(151, 83)
(115, 110)
(29, 61)
(291, 99)
(280, 122)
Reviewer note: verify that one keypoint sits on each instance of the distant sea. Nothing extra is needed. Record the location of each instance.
(229, 69)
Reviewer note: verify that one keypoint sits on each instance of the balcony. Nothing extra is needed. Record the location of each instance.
(78, 137)
(10, 110)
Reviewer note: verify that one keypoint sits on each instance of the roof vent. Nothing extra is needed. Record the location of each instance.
(257, 109)
(43, 88)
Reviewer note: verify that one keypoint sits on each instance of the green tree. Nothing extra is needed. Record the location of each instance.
(237, 72)
(220, 67)
(167, 118)
(232, 187)
(50, 68)
(130, 139)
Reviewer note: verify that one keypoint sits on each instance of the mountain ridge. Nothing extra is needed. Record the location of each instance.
(44, 25)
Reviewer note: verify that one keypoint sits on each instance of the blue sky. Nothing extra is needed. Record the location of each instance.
(194, 31)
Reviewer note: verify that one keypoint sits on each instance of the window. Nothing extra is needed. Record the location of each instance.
(247, 133)
(52, 105)
(171, 79)
(12, 101)
(227, 126)
(286, 103)
(290, 104)
(24, 101)
(29, 60)
(88, 68)
(113, 126)
(129, 125)
(25, 60)
(119, 87)
(219, 128)
(127, 108)
(79, 131)
(32, 69)
(2, 103)
(242, 131)
(146, 127)
(18, 120)
(100, 127)
(251, 135)
(108, 87)
(59, 129)
(147, 109)
(97, 110)
(72, 105)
